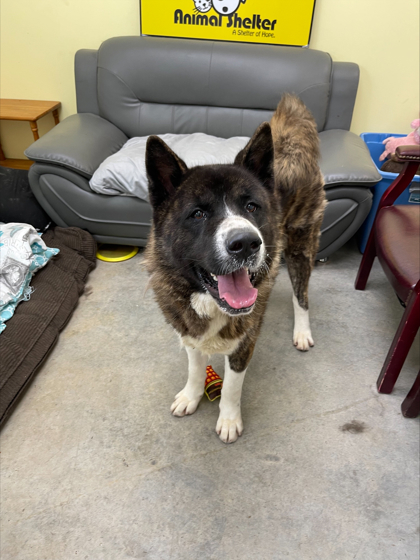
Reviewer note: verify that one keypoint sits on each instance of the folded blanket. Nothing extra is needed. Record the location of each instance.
(33, 330)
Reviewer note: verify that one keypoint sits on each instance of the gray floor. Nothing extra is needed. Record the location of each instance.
(95, 467)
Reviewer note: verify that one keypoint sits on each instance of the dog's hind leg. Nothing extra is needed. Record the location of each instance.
(299, 253)
(186, 401)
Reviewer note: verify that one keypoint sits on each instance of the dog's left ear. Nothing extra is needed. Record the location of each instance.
(164, 169)
(258, 154)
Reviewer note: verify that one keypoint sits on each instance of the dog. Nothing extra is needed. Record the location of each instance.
(215, 246)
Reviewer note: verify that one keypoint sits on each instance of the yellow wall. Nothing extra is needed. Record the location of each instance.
(39, 39)
(37, 45)
(382, 37)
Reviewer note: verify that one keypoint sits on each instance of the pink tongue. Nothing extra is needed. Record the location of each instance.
(237, 289)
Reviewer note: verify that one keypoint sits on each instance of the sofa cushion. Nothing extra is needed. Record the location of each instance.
(345, 160)
(147, 84)
(125, 171)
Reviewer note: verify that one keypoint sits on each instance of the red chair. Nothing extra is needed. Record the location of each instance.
(395, 240)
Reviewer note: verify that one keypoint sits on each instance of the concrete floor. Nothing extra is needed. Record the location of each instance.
(95, 467)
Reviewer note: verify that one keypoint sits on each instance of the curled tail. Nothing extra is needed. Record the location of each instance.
(296, 146)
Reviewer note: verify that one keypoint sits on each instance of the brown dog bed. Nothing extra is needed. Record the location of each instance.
(36, 324)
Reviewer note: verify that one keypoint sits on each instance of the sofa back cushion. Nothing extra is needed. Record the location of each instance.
(150, 85)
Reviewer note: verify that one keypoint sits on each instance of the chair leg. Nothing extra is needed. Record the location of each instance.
(403, 339)
(366, 262)
(410, 407)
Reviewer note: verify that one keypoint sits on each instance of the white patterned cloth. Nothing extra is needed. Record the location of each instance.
(22, 253)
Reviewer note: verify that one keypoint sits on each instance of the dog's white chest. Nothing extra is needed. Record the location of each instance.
(210, 342)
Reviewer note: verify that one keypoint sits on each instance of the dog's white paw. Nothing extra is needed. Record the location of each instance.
(303, 340)
(229, 429)
(302, 337)
(185, 404)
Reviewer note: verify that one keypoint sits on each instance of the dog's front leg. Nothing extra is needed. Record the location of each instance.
(186, 401)
(229, 425)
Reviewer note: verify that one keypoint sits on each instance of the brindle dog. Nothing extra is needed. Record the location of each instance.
(214, 249)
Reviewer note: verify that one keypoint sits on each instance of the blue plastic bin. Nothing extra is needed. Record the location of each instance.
(411, 195)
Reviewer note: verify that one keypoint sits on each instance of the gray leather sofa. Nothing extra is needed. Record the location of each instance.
(136, 86)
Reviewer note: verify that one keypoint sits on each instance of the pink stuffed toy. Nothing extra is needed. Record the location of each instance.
(392, 143)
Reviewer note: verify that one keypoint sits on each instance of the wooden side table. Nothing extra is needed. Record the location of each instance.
(25, 110)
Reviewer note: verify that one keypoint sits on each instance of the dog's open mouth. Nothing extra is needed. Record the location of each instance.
(233, 292)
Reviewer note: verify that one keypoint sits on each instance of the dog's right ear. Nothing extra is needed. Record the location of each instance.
(164, 170)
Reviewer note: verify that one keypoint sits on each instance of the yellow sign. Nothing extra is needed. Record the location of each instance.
(280, 22)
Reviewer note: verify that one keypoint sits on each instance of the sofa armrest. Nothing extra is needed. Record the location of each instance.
(345, 160)
(80, 143)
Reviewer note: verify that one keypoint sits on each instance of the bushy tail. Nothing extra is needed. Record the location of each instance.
(296, 146)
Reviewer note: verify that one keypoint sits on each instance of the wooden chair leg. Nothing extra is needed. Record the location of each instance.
(403, 339)
(366, 262)
(410, 407)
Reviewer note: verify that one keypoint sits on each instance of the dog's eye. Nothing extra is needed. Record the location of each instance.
(251, 207)
(198, 215)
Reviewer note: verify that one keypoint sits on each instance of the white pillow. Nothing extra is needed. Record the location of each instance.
(124, 172)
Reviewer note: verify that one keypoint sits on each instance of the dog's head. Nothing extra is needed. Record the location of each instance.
(215, 224)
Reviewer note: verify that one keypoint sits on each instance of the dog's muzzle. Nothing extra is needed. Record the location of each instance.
(242, 244)
(240, 256)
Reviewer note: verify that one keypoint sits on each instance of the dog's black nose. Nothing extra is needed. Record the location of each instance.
(242, 243)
